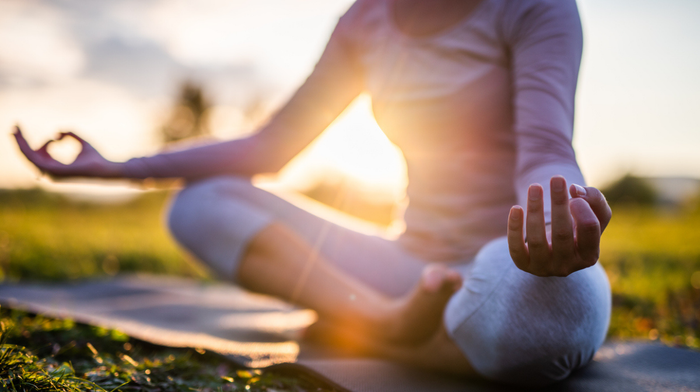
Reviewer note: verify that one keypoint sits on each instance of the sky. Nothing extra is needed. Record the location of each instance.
(109, 71)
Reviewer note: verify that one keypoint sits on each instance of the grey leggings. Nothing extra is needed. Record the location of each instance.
(512, 326)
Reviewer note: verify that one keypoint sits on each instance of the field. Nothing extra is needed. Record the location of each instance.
(652, 258)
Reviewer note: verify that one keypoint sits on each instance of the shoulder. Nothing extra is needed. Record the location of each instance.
(520, 10)
(523, 18)
(363, 13)
(363, 20)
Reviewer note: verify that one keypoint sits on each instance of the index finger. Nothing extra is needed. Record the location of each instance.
(61, 135)
(588, 231)
(596, 200)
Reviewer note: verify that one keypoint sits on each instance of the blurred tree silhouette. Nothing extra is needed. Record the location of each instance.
(630, 190)
(190, 115)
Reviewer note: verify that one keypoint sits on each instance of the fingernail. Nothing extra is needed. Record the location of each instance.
(516, 213)
(558, 184)
(534, 193)
(580, 191)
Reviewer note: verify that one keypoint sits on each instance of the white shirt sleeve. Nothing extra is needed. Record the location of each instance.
(546, 42)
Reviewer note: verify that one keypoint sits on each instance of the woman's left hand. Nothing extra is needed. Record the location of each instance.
(571, 243)
(88, 163)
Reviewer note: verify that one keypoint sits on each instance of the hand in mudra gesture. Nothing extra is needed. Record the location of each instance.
(88, 163)
(571, 242)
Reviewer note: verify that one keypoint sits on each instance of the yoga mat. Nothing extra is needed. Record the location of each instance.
(259, 331)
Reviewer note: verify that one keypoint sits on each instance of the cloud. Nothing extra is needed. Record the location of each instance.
(220, 32)
(142, 68)
(35, 45)
(282, 38)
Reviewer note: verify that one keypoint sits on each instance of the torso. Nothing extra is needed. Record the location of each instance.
(441, 80)
(421, 18)
(441, 92)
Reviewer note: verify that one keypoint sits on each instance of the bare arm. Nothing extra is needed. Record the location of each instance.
(334, 83)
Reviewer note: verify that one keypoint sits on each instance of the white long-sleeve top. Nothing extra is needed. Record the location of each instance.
(480, 110)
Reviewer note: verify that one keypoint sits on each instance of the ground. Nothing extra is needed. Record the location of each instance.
(44, 354)
(651, 255)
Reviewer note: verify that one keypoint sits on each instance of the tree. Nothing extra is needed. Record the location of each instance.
(630, 190)
(190, 115)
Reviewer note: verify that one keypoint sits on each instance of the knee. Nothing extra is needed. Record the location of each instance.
(213, 221)
(526, 330)
(197, 204)
(537, 354)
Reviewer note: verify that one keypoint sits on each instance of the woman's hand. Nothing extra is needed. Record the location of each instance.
(571, 243)
(88, 163)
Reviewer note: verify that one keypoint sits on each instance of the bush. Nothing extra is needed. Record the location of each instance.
(630, 190)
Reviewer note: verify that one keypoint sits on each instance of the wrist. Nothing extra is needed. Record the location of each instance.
(114, 170)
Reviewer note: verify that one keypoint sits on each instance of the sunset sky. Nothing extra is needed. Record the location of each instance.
(109, 70)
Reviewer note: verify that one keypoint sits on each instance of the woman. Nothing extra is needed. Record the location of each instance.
(479, 95)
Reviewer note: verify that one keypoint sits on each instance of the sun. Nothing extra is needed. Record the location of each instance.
(354, 146)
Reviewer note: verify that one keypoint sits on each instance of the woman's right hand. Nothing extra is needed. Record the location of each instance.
(571, 242)
(88, 163)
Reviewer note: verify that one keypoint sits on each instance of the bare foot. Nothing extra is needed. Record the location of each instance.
(406, 321)
(416, 316)
(438, 352)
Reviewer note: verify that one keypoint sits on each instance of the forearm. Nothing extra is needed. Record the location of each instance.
(248, 156)
(546, 42)
(336, 80)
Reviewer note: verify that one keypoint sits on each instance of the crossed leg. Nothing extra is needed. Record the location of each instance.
(280, 263)
(503, 324)
(364, 282)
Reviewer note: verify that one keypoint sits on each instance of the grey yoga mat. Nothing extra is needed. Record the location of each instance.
(259, 331)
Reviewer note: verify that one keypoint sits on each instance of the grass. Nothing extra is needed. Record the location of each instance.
(652, 258)
(44, 237)
(48, 238)
(44, 354)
